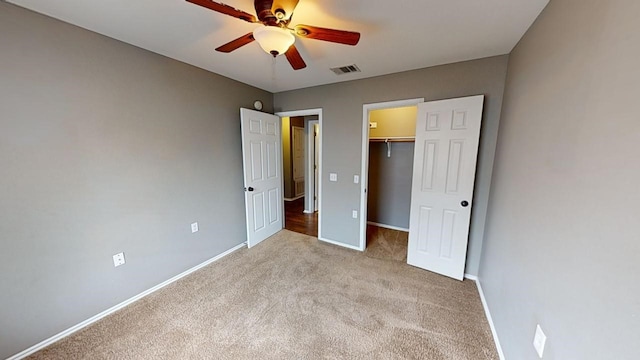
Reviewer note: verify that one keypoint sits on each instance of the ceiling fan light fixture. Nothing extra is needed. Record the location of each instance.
(274, 40)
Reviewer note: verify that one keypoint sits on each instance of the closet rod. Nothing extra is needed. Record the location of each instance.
(398, 139)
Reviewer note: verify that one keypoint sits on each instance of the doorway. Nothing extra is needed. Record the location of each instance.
(391, 153)
(367, 111)
(443, 170)
(302, 168)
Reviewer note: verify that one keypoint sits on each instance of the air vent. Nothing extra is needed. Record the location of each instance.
(345, 69)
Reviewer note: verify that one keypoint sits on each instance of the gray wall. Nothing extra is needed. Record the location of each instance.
(561, 246)
(342, 134)
(389, 199)
(105, 148)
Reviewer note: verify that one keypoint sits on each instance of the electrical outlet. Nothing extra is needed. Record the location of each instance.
(118, 259)
(333, 177)
(539, 340)
(354, 214)
(373, 125)
(356, 179)
(194, 227)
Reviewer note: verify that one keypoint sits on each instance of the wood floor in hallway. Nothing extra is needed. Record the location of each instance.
(297, 221)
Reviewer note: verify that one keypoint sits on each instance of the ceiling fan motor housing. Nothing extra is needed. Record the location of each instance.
(280, 14)
(263, 10)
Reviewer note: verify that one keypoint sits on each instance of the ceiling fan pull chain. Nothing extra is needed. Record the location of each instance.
(273, 72)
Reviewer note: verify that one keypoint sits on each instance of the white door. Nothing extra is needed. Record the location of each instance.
(262, 164)
(298, 160)
(444, 167)
(316, 162)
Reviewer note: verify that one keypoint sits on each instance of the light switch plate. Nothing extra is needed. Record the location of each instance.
(194, 227)
(356, 179)
(354, 214)
(333, 177)
(539, 341)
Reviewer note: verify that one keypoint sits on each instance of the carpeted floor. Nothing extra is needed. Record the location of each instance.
(386, 244)
(293, 297)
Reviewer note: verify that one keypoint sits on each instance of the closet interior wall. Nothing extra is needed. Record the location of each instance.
(391, 147)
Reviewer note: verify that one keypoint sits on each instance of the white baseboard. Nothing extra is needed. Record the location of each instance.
(387, 226)
(487, 313)
(340, 244)
(71, 330)
(471, 277)
(294, 198)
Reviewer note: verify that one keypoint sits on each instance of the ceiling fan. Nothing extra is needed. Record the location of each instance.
(275, 36)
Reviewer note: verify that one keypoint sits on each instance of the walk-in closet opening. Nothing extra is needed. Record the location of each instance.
(390, 170)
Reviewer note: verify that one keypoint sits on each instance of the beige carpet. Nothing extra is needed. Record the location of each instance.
(386, 243)
(293, 297)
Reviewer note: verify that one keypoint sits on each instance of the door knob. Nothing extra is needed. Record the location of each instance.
(248, 189)
(464, 203)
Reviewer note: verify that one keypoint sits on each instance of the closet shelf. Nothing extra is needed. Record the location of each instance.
(393, 139)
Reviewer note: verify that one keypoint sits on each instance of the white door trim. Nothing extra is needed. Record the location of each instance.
(310, 112)
(295, 132)
(364, 173)
(310, 180)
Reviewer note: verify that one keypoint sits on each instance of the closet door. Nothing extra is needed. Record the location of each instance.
(446, 150)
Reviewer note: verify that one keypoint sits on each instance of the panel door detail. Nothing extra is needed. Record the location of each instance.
(261, 144)
(446, 151)
(297, 148)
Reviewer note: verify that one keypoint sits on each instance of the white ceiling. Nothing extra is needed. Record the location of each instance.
(397, 35)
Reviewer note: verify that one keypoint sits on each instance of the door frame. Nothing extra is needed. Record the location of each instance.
(308, 174)
(310, 182)
(364, 173)
(304, 159)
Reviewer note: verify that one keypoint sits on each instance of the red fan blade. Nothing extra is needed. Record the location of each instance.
(336, 36)
(283, 9)
(294, 58)
(225, 9)
(232, 45)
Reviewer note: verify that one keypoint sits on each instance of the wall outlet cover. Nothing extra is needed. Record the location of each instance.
(194, 227)
(356, 179)
(354, 214)
(333, 177)
(118, 259)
